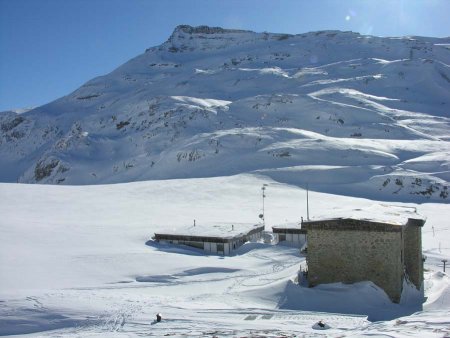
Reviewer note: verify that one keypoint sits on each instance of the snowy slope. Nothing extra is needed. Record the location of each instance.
(358, 115)
(77, 261)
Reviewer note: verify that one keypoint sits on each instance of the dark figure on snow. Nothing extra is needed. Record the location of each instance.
(158, 317)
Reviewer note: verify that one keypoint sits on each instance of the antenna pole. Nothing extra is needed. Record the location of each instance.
(263, 196)
(307, 201)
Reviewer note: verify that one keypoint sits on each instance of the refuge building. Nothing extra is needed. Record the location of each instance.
(220, 239)
(355, 249)
(291, 233)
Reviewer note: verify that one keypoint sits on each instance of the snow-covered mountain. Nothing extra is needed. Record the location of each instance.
(346, 113)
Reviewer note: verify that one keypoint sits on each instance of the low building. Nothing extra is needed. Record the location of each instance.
(291, 233)
(355, 249)
(220, 239)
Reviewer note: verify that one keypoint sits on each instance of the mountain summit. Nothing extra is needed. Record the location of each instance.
(346, 113)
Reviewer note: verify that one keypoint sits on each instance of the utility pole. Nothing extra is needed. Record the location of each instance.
(263, 189)
(307, 201)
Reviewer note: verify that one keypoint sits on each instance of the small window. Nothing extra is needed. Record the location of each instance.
(198, 245)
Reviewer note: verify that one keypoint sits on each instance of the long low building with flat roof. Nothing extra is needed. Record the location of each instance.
(220, 239)
(291, 233)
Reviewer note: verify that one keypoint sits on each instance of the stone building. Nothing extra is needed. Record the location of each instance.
(351, 250)
(220, 239)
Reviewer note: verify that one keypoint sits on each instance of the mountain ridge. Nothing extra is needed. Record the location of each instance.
(355, 114)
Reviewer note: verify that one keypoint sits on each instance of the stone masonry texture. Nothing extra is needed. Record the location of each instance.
(351, 256)
(413, 254)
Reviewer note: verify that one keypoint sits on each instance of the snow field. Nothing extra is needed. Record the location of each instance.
(76, 261)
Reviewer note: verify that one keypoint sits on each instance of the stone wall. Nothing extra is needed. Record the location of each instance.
(413, 253)
(341, 254)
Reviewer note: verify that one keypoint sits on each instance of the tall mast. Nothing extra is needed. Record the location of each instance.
(307, 201)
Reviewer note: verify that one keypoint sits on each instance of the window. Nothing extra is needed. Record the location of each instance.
(198, 245)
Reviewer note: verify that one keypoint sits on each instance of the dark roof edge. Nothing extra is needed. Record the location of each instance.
(288, 230)
(352, 224)
(218, 239)
(419, 222)
(350, 219)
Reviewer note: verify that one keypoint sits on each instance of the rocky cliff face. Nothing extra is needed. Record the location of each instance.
(346, 113)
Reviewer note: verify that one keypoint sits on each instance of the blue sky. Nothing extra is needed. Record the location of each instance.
(48, 48)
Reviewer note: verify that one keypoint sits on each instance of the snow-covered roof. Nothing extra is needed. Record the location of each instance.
(291, 225)
(377, 213)
(217, 230)
(378, 217)
(294, 228)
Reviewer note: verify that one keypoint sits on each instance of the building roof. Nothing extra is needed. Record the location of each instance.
(380, 213)
(351, 224)
(222, 231)
(378, 217)
(290, 228)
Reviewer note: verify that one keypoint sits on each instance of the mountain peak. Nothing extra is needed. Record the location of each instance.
(189, 38)
(206, 30)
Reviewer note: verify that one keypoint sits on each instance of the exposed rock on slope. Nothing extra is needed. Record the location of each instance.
(350, 114)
